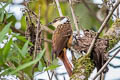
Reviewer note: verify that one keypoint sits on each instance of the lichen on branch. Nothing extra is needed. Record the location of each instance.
(85, 65)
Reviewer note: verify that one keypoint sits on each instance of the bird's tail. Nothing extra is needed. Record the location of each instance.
(66, 62)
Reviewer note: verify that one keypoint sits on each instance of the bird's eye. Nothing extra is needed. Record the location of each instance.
(54, 21)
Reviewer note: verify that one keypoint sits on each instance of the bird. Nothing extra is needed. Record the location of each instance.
(62, 40)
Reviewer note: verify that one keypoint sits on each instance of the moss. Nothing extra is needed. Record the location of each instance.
(83, 67)
(113, 34)
(112, 41)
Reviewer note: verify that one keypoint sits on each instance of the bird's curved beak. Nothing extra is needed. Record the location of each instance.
(50, 23)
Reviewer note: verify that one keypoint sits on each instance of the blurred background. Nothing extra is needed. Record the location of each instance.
(90, 15)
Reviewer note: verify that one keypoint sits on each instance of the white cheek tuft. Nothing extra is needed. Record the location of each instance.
(56, 24)
(60, 22)
(64, 20)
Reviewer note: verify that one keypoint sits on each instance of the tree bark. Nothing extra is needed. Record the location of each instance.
(83, 66)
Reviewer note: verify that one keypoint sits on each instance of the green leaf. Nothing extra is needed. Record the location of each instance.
(7, 49)
(23, 23)
(40, 66)
(19, 50)
(3, 7)
(1, 58)
(21, 67)
(4, 31)
(51, 67)
(8, 15)
(25, 49)
(1, 16)
(22, 38)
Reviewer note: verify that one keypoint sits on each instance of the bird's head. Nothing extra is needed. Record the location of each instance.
(59, 21)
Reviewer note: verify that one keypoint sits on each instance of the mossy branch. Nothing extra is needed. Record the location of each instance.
(84, 65)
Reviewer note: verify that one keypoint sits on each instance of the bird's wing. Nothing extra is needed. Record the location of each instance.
(61, 37)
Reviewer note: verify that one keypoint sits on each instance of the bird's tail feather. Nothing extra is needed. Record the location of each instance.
(66, 62)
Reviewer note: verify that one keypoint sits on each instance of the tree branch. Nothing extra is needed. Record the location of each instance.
(99, 72)
(59, 9)
(74, 17)
(84, 65)
(45, 28)
(36, 41)
(47, 40)
(102, 27)
(18, 31)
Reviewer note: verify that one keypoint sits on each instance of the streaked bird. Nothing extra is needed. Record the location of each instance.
(61, 40)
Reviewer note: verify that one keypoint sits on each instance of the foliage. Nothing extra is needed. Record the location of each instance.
(15, 57)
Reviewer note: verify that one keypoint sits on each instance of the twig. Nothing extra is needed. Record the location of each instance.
(74, 17)
(28, 11)
(47, 54)
(36, 41)
(103, 67)
(37, 33)
(59, 9)
(11, 65)
(52, 75)
(47, 40)
(102, 27)
(46, 67)
(114, 49)
(114, 66)
(117, 57)
(45, 28)
(118, 11)
(102, 76)
(18, 31)
(92, 13)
